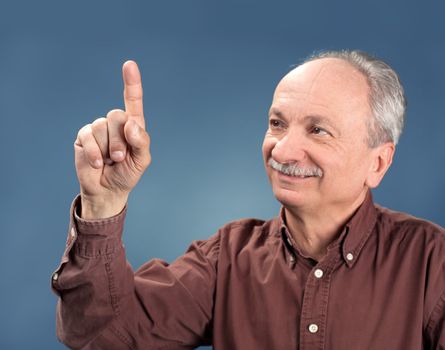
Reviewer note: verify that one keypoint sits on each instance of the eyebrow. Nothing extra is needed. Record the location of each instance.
(313, 118)
(274, 111)
(319, 119)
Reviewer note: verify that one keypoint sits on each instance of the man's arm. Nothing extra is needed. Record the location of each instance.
(103, 304)
(435, 329)
(112, 153)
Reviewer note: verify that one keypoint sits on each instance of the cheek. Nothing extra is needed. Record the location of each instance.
(334, 166)
(268, 145)
(347, 172)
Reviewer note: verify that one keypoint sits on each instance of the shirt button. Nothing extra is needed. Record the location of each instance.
(55, 276)
(350, 257)
(313, 328)
(318, 273)
(289, 241)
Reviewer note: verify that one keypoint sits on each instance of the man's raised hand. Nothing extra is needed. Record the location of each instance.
(112, 153)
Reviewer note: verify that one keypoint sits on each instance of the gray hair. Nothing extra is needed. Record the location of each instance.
(386, 96)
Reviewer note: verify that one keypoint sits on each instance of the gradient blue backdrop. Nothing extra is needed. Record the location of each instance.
(209, 70)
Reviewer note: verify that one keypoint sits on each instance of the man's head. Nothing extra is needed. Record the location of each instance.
(336, 119)
(386, 95)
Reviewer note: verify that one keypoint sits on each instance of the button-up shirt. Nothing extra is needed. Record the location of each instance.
(381, 285)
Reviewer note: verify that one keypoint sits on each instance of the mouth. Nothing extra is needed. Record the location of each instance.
(288, 177)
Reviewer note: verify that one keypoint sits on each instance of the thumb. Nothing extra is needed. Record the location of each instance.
(139, 141)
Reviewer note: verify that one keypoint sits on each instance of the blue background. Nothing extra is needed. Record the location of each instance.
(209, 71)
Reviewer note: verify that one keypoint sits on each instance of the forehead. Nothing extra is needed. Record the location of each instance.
(324, 86)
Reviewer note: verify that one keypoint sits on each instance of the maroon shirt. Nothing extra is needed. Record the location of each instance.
(381, 285)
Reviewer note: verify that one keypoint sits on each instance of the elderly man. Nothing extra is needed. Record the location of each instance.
(332, 271)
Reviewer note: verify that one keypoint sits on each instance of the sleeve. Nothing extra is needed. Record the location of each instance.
(103, 304)
(435, 330)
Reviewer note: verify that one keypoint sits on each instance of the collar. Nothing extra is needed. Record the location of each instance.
(354, 235)
(358, 230)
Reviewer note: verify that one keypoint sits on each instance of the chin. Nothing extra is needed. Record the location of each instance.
(291, 199)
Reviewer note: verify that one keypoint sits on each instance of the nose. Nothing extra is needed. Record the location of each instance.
(291, 148)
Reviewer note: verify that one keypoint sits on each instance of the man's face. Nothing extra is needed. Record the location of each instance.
(318, 121)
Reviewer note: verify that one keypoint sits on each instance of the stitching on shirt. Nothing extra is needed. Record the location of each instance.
(122, 337)
(75, 206)
(249, 224)
(435, 314)
(416, 223)
(102, 222)
(107, 252)
(246, 223)
(401, 219)
(365, 238)
(216, 248)
(112, 288)
(114, 300)
(215, 251)
(326, 287)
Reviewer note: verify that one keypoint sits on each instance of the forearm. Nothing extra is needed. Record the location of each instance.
(104, 304)
(94, 258)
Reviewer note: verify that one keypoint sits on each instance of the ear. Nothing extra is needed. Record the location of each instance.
(381, 161)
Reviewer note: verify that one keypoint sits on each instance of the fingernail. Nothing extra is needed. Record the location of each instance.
(118, 155)
(97, 163)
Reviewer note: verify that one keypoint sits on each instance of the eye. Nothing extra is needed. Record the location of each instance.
(316, 130)
(275, 123)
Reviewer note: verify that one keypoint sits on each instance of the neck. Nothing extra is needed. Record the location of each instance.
(314, 230)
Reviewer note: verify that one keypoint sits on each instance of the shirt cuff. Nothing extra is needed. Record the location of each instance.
(95, 238)
(102, 227)
(89, 239)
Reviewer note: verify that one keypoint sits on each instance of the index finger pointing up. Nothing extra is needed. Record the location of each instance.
(133, 92)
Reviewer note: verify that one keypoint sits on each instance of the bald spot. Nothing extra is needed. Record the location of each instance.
(324, 73)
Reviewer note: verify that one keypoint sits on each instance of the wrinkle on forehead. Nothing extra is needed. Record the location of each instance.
(334, 69)
(317, 76)
(326, 77)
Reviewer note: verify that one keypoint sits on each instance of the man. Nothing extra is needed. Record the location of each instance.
(332, 271)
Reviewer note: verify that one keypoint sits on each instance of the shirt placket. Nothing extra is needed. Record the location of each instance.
(315, 305)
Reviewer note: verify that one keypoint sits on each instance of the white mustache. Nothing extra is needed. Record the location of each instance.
(293, 169)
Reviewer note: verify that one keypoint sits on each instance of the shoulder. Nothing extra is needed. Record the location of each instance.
(407, 230)
(418, 247)
(249, 232)
(239, 233)
(249, 226)
(406, 222)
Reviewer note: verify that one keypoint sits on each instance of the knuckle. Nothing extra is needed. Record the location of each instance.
(142, 163)
(116, 115)
(147, 139)
(117, 146)
(84, 131)
(99, 123)
(93, 154)
(134, 97)
(147, 161)
(144, 139)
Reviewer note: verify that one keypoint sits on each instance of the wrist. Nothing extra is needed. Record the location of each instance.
(94, 208)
